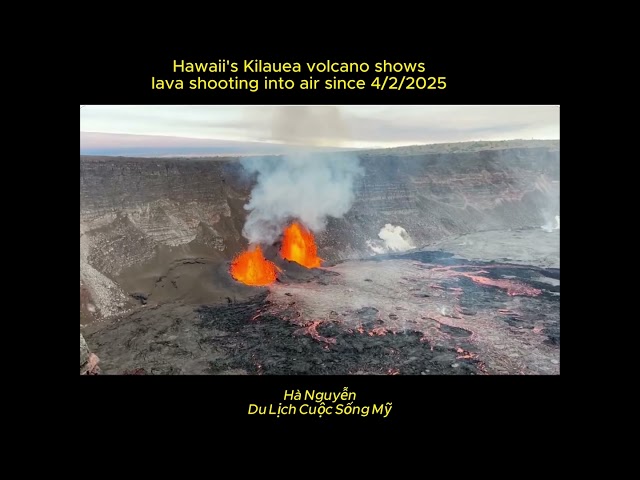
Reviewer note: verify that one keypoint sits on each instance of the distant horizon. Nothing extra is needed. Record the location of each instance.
(131, 145)
(236, 129)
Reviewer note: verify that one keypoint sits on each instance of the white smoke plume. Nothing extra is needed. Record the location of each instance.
(392, 239)
(551, 226)
(306, 185)
(320, 126)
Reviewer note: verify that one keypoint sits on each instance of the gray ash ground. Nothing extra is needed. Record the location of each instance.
(227, 339)
(271, 332)
(269, 345)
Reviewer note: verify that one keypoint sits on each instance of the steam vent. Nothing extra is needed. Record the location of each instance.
(423, 260)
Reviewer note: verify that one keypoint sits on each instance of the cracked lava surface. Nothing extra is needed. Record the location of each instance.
(421, 313)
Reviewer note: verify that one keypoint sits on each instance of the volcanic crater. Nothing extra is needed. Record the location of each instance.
(169, 284)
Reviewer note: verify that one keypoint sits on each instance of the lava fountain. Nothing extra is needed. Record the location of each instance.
(251, 268)
(298, 245)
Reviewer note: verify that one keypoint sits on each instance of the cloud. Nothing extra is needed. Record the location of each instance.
(366, 125)
(433, 124)
(96, 143)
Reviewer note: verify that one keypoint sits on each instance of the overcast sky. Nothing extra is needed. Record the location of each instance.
(345, 126)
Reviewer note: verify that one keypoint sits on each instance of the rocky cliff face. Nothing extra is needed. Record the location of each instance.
(435, 196)
(88, 361)
(138, 212)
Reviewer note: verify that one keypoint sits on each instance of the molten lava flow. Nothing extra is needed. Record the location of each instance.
(312, 329)
(251, 268)
(299, 246)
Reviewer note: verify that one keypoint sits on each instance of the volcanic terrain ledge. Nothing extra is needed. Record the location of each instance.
(88, 361)
(425, 313)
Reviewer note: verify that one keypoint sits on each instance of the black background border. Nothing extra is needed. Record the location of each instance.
(119, 72)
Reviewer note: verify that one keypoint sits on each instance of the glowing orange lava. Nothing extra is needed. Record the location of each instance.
(298, 245)
(251, 268)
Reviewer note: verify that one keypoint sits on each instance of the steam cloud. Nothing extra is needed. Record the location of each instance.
(309, 126)
(394, 239)
(308, 186)
(551, 226)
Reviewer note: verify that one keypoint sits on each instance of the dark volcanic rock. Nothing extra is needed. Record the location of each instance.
(177, 339)
(141, 297)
